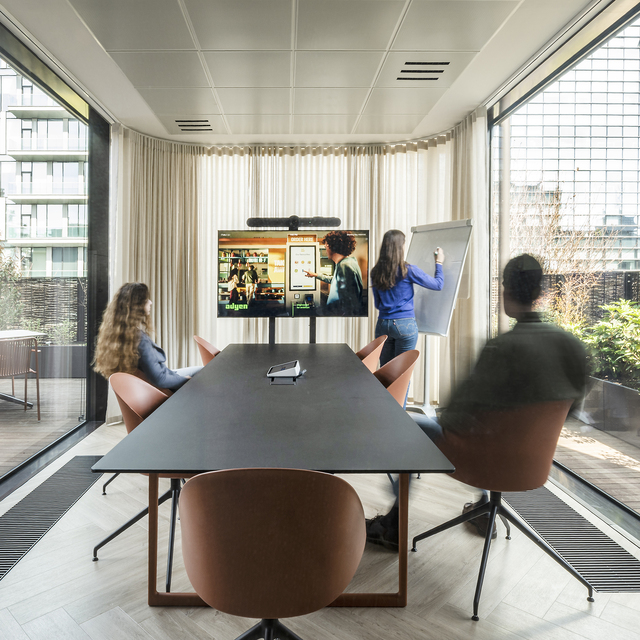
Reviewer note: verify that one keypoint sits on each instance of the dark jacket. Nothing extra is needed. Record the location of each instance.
(536, 362)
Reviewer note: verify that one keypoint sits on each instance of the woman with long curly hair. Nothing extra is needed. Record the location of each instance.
(124, 343)
(392, 281)
(345, 289)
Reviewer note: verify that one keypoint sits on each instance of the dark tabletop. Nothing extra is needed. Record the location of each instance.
(336, 418)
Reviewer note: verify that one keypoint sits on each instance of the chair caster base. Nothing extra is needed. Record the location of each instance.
(507, 537)
(590, 599)
(475, 618)
(414, 550)
(95, 559)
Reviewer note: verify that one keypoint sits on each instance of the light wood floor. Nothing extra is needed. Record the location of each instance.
(57, 592)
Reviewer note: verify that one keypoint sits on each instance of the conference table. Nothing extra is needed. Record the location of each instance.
(336, 418)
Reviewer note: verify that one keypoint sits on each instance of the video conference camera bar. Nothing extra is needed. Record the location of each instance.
(294, 222)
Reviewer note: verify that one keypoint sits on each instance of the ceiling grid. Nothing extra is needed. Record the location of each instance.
(292, 71)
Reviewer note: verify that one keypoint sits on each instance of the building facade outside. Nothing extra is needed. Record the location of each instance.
(575, 147)
(43, 169)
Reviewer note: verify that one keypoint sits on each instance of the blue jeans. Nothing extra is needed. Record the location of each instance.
(402, 336)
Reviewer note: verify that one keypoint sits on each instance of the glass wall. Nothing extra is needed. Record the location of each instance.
(566, 183)
(43, 263)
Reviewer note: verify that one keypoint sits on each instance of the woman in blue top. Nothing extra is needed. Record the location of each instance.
(392, 281)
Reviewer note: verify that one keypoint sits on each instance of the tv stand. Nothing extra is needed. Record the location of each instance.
(272, 330)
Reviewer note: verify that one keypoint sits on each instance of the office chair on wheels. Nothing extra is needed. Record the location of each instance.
(510, 450)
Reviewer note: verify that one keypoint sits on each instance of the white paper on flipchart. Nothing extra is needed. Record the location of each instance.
(434, 309)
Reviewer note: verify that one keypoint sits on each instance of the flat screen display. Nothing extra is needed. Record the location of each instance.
(293, 273)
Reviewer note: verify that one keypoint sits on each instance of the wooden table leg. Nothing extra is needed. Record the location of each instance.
(398, 599)
(160, 598)
(153, 539)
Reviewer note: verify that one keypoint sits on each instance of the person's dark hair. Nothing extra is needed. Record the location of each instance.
(522, 278)
(233, 272)
(341, 242)
(391, 261)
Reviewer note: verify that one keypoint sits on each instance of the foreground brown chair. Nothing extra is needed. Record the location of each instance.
(371, 353)
(509, 450)
(207, 351)
(396, 374)
(138, 400)
(270, 543)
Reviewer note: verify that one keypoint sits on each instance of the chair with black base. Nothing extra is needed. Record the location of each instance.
(370, 354)
(509, 450)
(207, 351)
(288, 543)
(138, 400)
(396, 376)
(167, 392)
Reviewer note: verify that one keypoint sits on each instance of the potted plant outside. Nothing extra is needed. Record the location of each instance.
(613, 345)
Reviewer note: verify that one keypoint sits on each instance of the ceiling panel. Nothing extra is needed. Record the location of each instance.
(329, 101)
(323, 125)
(347, 24)
(162, 68)
(135, 25)
(463, 25)
(276, 125)
(255, 101)
(134, 58)
(396, 125)
(188, 101)
(249, 68)
(336, 68)
(241, 24)
(402, 101)
(407, 65)
(193, 124)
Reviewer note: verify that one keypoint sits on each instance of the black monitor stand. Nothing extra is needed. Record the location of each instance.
(272, 330)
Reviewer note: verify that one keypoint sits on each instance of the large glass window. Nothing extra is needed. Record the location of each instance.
(43, 278)
(566, 172)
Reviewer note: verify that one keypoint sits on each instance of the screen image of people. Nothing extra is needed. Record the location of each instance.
(292, 273)
(345, 283)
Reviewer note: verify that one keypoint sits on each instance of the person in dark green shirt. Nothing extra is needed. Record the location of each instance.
(534, 362)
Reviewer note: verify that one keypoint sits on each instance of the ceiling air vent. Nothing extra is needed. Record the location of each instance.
(422, 71)
(194, 126)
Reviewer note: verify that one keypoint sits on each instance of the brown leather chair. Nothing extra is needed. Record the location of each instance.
(510, 450)
(371, 353)
(207, 351)
(396, 374)
(138, 373)
(138, 400)
(270, 543)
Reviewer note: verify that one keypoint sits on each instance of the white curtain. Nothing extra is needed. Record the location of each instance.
(173, 198)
